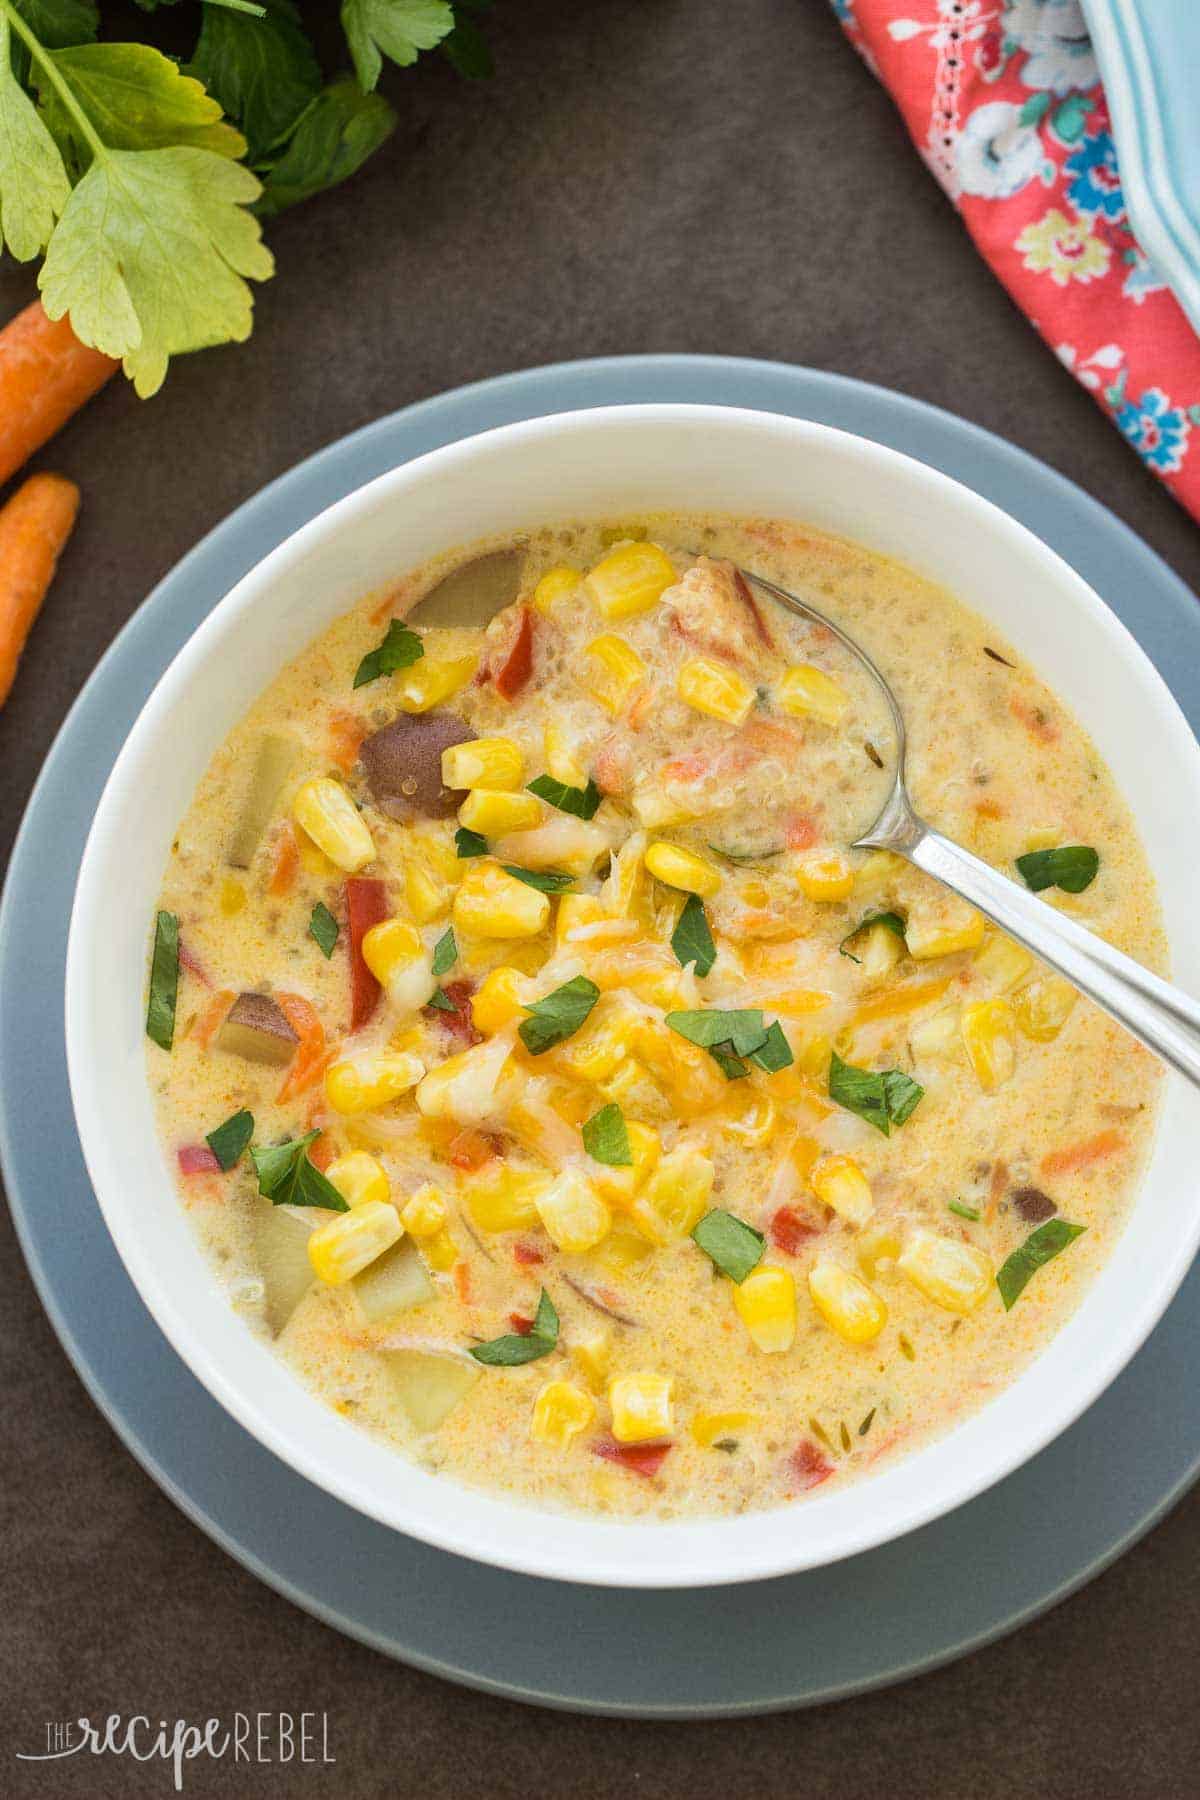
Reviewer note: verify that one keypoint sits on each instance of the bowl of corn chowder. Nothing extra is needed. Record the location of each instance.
(525, 1114)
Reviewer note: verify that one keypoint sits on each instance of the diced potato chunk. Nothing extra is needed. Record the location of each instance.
(989, 1037)
(429, 1384)
(573, 1213)
(1043, 1008)
(394, 1284)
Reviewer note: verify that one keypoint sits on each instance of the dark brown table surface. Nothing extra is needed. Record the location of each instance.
(643, 175)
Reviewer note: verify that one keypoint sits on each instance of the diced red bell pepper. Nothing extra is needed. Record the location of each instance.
(640, 1459)
(517, 666)
(527, 1254)
(460, 1023)
(366, 905)
(521, 1324)
(197, 1159)
(789, 1230)
(809, 1468)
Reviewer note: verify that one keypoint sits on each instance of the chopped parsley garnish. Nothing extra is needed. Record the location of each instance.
(605, 1138)
(1039, 1248)
(964, 1212)
(441, 1001)
(287, 1177)
(559, 1015)
(882, 1097)
(399, 650)
(730, 1037)
(734, 1246)
(445, 954)
(164, 981)
(692, 940)
(1071, 867)
(469, 843)
(581, 803)
(892, 920)
(324, 928)
(514, 1348)
(547, 881)
(229, 1140)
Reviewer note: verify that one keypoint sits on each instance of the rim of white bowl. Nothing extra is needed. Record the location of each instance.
(472, 1522)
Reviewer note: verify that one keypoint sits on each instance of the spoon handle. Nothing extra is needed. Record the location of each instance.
(1165, 1018)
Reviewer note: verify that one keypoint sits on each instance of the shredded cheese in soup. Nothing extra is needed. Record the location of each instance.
(554, 1087)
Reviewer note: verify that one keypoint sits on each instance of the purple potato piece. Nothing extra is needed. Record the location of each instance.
(473, 593)
(255, 1027)
(403, 764)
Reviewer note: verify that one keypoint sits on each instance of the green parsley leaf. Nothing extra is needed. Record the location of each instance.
(445, 954)
(774, 1052)
(734, 1246)
(467, 48)
(399, 29)
(469, 843)
(963, 1211)
(1071, 867)
(514, 1348)
(883, 1099)
(559, 1015)
(287, 1177)
(441, 1001)
(1039, 1248)
(263, 71)
(400, 649)
(334, 138)
(605, 1138)
(229, 1140)
(581, 803)
(34, 187)
(324, 927)
(692, 939)
(164, 981)
(61, 22)
(892, 920)
(546, 881)
(135, 99)
(708, 1025)
(731, 1066)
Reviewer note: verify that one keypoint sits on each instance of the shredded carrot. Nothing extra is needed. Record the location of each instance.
(212, 1018)
(286, 863)
(893, 1003)
(989, 809)
(346, 733)
(800, 833)
(34, 526)
(462, 1281)
(322, 1151)
(641, 705)
(1038, 723)
(46, 375)
(1081, 1156)
(311, 1058)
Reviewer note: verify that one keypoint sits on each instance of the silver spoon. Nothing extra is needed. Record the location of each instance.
(1165, 1019)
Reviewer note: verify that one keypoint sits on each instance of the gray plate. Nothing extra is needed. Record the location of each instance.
(907, 1607)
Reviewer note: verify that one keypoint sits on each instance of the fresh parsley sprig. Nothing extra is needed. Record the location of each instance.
(515, 1347)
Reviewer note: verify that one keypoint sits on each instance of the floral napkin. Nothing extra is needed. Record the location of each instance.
(1004, 102)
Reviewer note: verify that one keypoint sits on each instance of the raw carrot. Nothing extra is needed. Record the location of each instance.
(309, 1062)
(462, 1281)
(1081, 1156)
(346, 733)
(34, 526)
(212, 1018)
(287, 860)
(46, 374)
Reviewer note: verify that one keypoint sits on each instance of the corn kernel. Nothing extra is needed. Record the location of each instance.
(824, 875)
(488, 762)
(1042, 1008)
(359, 1178)
(1000, 964)
(952, 1274)
(805, 690)
(1043, 837)
(614, 673)
(877, 1249)
(573, 1213)
(363, 1083)
(428, 681)
(503, 1198)
(714, 688)
(619, 1182)
(847, 1305)
(707, 1427)
(630, 579)
(573, 910)
(937, 1035)
(675, 1197)
(592, 1357)
(560, 1412)
(641, 1407)
(625, 885)
(464, 1086)
(232, 898)
(400, 963)
(324, 810)
(440, 1251)
(766, 1304)
(655, 808)
(988, 1034)
(561, 763)
(494, 812)
(623, 1250)
(555, 584)
(500, 998)
(683, 869)
(951, 926)
(689, 1074)
(813, 1053)
(492, 904)
(343, 1248)
(424, 1214)
(427, 895)
(753, 1122)
(879, 949)
(598, 1049)
(879, 871)
(840, 1184)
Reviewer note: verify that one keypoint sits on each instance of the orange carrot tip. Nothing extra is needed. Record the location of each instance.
(34, 526)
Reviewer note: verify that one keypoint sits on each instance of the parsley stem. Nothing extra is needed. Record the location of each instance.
(41, 55)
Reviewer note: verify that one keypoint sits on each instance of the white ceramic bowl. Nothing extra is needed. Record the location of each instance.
(606, 462)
